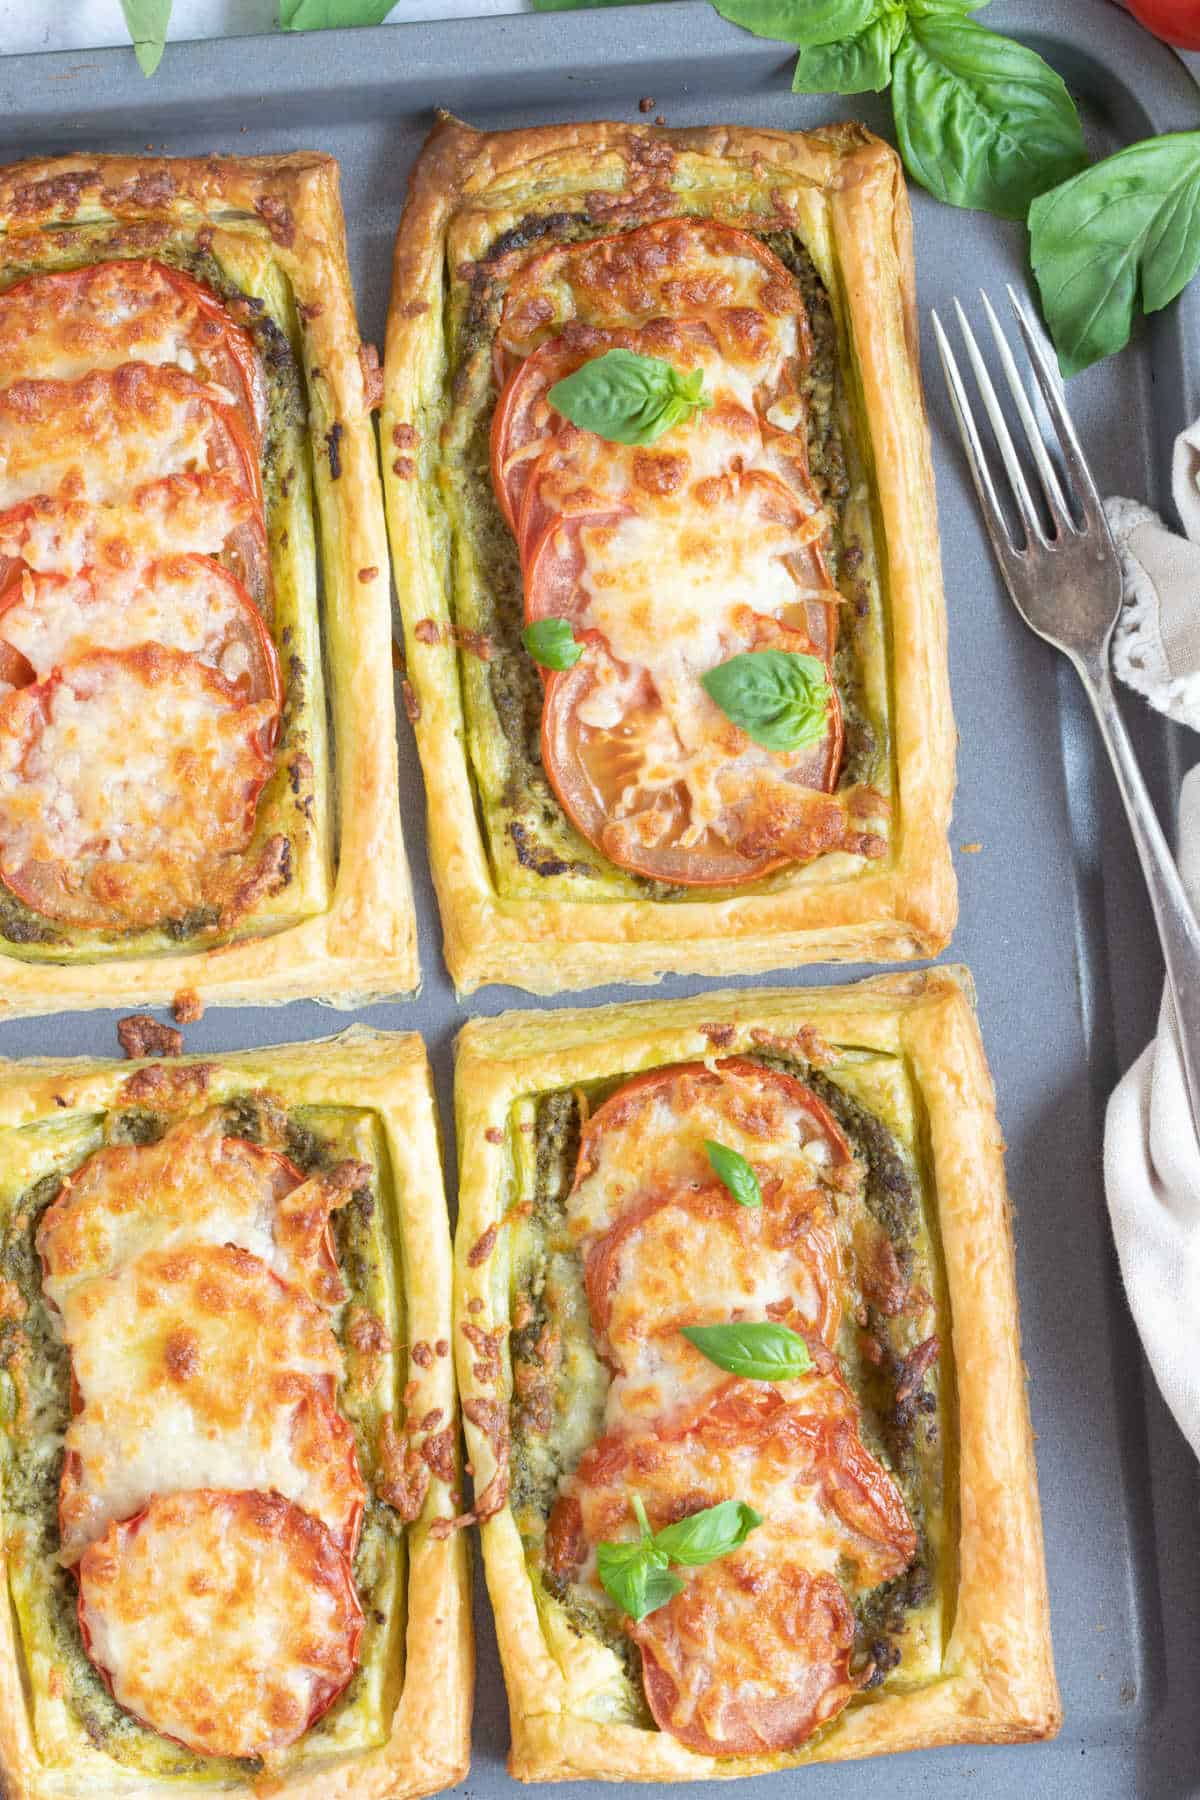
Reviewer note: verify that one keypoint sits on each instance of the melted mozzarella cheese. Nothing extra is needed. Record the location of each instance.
(111, 431)
(679, 268)
(64, 325)
(185, 603)
(109, 757)
(196, 1185)
(698, 1258)
(227, 1621)
(62, 533)
(198, 1367)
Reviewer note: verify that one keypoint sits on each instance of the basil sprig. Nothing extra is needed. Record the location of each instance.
(981, 120)
(552, 643)
(731, 1167)
(320, 15)
(780, 698)
(1127, 228)
(637, 1575)
(760, 1350)
(627, 398)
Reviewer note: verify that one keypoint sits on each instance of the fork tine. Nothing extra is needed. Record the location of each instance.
(1059, 510)
(1072, 449)
(981, 474)
(1004, 443)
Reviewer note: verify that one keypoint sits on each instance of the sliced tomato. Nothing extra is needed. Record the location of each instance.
(129, 782)
(66, 322)
(555, 568)
(682, 267)
(186, 603)
(614, 779)
(767, 1103)
(750, 1659)
(525, 425)
(226, 1621)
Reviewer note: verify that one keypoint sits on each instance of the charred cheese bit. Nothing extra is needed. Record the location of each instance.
(185, 603)
(196, 1185)
(226, 1621)
(648, 1138)
(682, 268)
(65, 324)
(100, 437)
(198, 1367)
(102, 767)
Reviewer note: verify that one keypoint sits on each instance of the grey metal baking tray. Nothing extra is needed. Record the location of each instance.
(1054, 922)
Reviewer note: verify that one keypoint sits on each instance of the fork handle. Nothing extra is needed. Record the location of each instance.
(1178, 930)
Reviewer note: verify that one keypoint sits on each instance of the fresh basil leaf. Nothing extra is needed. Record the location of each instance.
(921, 9)
(553, 643)
(706, 1535)
(325, 15)
(800, 21)
(582, 5)
(857, 65)
(732, 1168)
(636, 1577)
(627, 398)
(760, 1350)
(147, 21)
(1127, 225)
(981, 121)
(780, 698)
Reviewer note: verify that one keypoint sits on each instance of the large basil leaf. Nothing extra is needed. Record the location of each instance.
(800, 21)
(760, 1350)
(780, 698)
(706, 1535)
(856, 65)
(981, 121)
(146, 22)
(627, 398)
(1130, 223)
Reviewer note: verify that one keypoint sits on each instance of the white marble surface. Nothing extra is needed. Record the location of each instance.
(86, 24)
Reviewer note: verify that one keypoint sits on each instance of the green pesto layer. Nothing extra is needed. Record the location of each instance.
(236, 264)
(559, 1396)
(73, 1713)
(533, 847)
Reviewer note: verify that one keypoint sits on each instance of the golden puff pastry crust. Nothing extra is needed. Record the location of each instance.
(341, 927)
(406, 1728)
(524, 899)
(908, 1047)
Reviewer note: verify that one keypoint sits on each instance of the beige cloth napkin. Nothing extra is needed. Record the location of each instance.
(1151, 1156)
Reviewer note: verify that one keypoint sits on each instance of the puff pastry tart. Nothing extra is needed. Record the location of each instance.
(662, 517)
(737, 1339)
(184, 415)
(229, 1429)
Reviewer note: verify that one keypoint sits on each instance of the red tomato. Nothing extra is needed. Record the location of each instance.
(774, 1644)
(1175, 21)
(596, 773)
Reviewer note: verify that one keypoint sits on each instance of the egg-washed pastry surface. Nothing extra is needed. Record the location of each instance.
(738, 1349)
(230, 1437)
(662, 519)
(190, 540)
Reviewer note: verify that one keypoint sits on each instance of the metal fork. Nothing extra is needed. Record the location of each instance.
(1066, 585)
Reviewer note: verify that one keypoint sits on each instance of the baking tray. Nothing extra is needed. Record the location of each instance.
(1054, 921)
